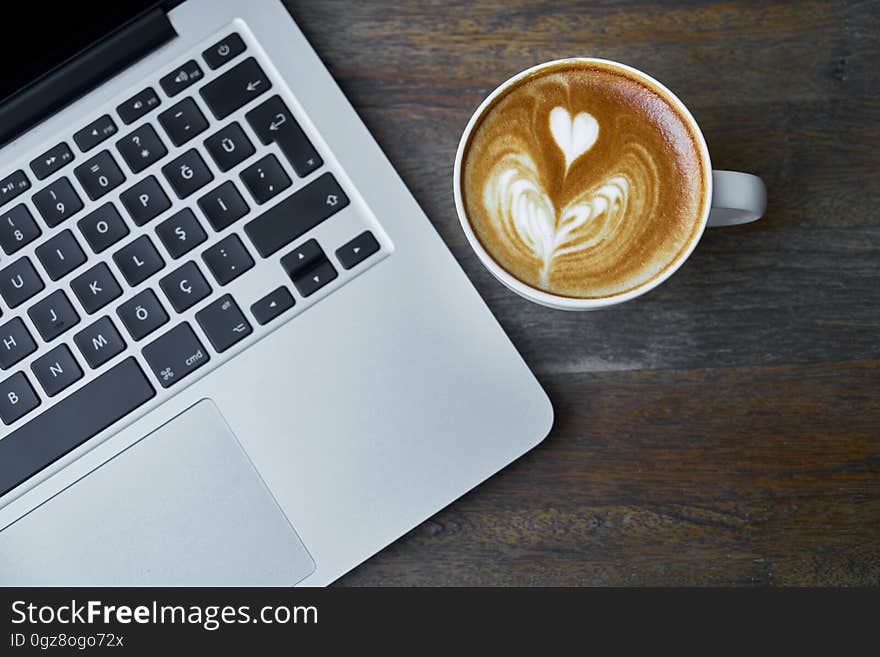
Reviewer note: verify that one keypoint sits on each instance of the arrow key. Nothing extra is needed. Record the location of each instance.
(302, 258)
(357, 250)
(316, 278)
(272, 305)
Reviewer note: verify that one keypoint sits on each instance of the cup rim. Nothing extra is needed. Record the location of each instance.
(540, 296)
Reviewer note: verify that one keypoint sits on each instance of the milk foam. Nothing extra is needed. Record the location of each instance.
(574, 136)
(528, 219)
(579, 193)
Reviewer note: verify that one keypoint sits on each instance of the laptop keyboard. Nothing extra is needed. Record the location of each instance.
(133, 237)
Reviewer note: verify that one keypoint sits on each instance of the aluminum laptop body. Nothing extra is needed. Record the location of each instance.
(276, 453)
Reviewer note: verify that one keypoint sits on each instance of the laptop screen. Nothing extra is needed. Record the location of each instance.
(48, 34)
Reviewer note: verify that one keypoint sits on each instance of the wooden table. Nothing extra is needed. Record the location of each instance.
(725, 428)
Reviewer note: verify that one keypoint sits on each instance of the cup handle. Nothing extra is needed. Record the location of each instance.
(737, 198)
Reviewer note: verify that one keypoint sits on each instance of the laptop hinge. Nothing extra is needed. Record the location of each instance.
(64, 84)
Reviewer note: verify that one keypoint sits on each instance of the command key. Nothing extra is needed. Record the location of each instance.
(175, 355)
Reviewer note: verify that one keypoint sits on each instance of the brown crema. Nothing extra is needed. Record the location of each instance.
(584, 181)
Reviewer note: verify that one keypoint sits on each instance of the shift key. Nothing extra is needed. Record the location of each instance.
(296, 215)
(175, 355)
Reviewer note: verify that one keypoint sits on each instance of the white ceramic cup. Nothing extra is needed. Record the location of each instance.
(736, 198)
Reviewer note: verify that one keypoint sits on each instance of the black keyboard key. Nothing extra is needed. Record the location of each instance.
(99, 342)
(17, 399)
(228, 259)
(223, 323)
(138, 106)
(57, 202)
(138, 260)
(17, 229)
(103, 228)
(56, 370)
(53, 315)
(141, 148)
(60, 255)
(229, 147)
(71, 422)
(19, 282)
(187, 174)
(15, 343)
(185, 287)
(265, 179)
(296, 215)
(183, 121)
(51, 161)
(175, 355)
(316, 278)
(355, 251)
(145, 201)
(302, 258)
(13, 185)
(181, 78)
(273, 122)
(272, 305)
(142, 314)
(223, 206)
(235, 88)
(99, 175)
(96, 288)
(181, 233)
(95, 133)
(224, 51)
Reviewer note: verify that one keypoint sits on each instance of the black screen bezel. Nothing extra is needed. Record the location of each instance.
(76, 48)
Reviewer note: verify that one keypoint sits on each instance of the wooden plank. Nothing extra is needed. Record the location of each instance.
(725, 428)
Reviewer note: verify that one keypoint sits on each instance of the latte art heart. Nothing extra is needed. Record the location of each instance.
(574, 136)
(582, 181)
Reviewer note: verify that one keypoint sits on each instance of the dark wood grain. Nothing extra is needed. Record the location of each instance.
(725, 428)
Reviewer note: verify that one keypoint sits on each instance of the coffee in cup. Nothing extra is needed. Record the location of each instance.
(584, 180)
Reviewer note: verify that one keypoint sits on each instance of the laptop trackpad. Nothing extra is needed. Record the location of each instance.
(184, 506)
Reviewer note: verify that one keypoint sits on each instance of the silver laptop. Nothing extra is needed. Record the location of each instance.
(234, 351)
